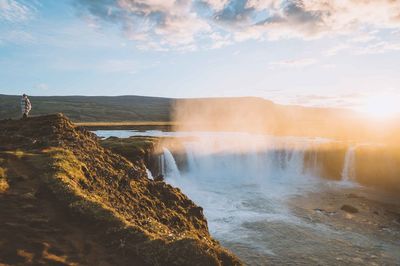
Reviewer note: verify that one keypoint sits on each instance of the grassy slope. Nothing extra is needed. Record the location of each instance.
(137, 219)
(35, 229)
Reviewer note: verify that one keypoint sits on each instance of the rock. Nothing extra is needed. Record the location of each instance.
(29, 195)
(353, 196)
(159, 178)
(329, 213)
(349, 208)
(196, 211)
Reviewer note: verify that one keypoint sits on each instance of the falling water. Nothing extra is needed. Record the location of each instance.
(233, 159)
(149, 175)
(348, 172)
(246, 185)
(171, 169)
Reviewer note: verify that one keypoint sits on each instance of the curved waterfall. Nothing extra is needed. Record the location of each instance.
(149, 175)
(240, 160)
(218, 157)
(170, 169)
(349, 171)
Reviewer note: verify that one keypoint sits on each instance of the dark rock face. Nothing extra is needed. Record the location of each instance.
(150, 221)
(349, 209)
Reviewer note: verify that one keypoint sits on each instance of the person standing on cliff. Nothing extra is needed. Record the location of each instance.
(26, 106)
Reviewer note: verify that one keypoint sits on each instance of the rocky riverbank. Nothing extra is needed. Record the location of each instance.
(369, 219)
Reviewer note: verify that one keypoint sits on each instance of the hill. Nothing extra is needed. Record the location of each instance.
(65, 200)
(248, 114)
(92, 108)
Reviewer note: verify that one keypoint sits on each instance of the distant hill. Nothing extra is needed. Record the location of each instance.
(143, 108)
(92, 108)
(249, 114)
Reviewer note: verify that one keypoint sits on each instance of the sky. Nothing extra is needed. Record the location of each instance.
(334, 53)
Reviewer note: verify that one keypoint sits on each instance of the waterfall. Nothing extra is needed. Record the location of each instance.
(219, 157)
(191, 164)
(149, 175)
(349, 171)
(161, 164)
(170, 167)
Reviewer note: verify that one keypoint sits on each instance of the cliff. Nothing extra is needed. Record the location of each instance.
(65, 199)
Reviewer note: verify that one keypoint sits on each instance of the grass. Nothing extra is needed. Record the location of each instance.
(103, 190)
(131, 123)
(3, 181)
(65, 180)
(133, 148)
(93, 108)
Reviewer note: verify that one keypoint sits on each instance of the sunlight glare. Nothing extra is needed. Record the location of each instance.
(382, 106)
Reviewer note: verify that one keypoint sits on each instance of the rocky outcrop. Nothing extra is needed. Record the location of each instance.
(138, 150)
(142, 221)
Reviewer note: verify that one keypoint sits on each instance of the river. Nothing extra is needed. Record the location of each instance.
(264, 200)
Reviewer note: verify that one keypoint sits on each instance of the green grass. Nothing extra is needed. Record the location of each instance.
(93, 108)
(132, 123)
(133, 148)
(3, 181)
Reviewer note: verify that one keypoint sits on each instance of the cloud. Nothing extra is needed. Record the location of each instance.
(337, 48)
(16, 11)
(156, 23)
(293, 63)
(41, 86)
(379, 48)
(366, 43)
(182, 24)
(342, 101)
(16, 37)
(118, 66)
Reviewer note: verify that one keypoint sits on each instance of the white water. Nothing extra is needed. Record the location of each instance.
(349, 172)
(171, 169)
(149, 175)
(241, 183)
(245, 186)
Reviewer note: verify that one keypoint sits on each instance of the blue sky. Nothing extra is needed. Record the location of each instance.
(316, 52)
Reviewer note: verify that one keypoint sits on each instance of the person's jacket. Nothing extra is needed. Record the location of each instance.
(25, 105)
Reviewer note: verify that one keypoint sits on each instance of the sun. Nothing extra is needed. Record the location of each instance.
(382, 106)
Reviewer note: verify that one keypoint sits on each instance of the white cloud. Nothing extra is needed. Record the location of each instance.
(41, 87)
(15, 11)
(16, 37)
(293, 63)
(379, 48)
(323, 100)
(336, 49)
(165, 24)
(366, 43)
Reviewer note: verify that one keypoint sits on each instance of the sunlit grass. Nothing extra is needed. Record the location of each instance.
(3, 181)
(128, 123)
